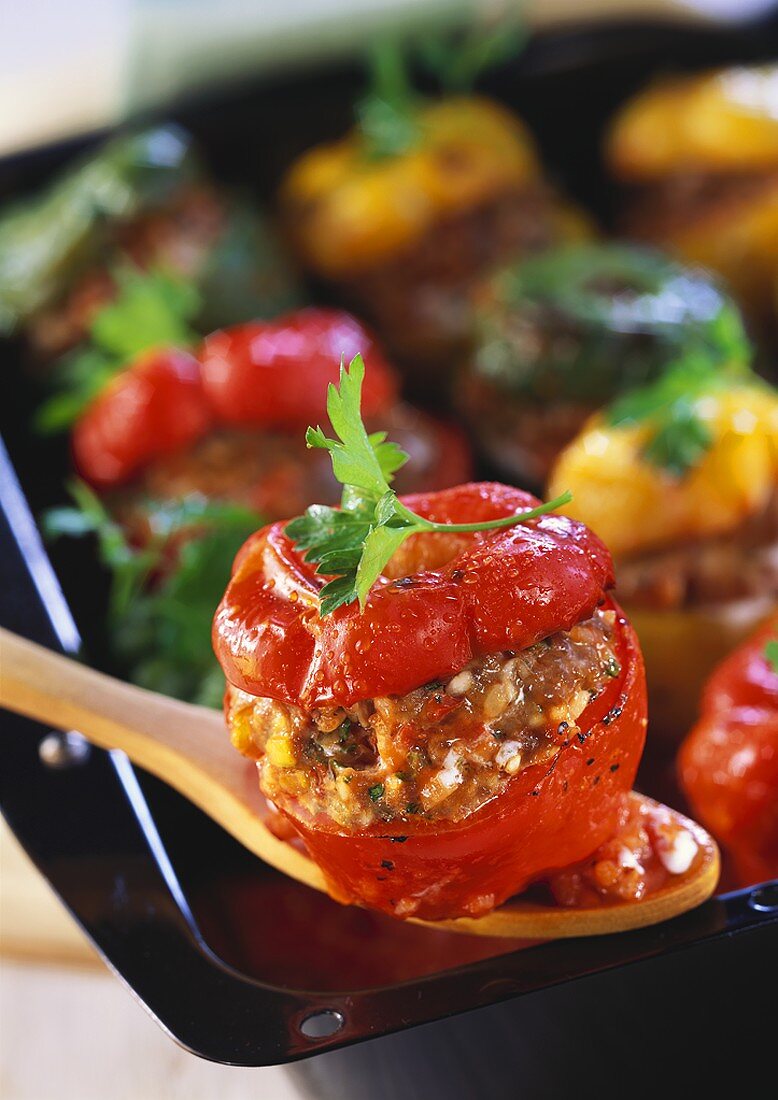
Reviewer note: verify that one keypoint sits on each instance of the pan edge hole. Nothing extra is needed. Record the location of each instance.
(765, 898)
(322, 1023)
(63, 750)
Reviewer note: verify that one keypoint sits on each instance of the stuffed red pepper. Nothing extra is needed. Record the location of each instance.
(471, 724)
(729, 763)
(225, 420)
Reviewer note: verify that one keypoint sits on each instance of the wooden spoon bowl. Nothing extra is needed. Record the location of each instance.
(188, 748)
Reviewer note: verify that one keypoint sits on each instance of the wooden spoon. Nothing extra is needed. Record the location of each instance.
(188, 747)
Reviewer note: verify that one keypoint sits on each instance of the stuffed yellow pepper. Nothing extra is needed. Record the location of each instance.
(680, 480)
(410, 207)
(702, 154)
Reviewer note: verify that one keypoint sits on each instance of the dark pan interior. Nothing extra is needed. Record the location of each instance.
(565, 85)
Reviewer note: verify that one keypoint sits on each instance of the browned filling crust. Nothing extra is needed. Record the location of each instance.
(740, 565)
(420, 301)
(663, 209)
(268, 472)
(440, 751)
(520, 435)
(271, 472)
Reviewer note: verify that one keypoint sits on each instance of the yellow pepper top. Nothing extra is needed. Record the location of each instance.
(349, 211)
(723, 121)
(635, 506)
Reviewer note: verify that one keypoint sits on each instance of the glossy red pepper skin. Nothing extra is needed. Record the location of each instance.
(153, 409)
(728, 764)
(507, 589)
(270, 376)
(548, 817)
(274, 374)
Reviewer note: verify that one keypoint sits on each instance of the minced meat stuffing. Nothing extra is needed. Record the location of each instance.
(440, 751)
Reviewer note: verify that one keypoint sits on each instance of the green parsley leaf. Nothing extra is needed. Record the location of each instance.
(458, 62)
(391, 457)
(160, 611)
(80, 377)
(359, 461)
(129, 565)
(324, 530)
(681, 441)
(165, 636)
(338, 592)
(375, 792)
(386, 114)
(151, 309)
(353, 545)
(389, 129)
(771, 654)
(680, 437)
(377, 549)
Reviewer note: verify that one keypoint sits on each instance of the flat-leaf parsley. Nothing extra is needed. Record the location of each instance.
(353, 544)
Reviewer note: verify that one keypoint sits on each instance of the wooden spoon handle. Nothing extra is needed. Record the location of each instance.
(160, 734)
(184, 745)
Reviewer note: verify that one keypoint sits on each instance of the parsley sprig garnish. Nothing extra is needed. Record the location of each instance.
(163, 593)
(151, 309)
(771, 654)
(387, 115)
(354, 543)
(458, 61)
(716, 356)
